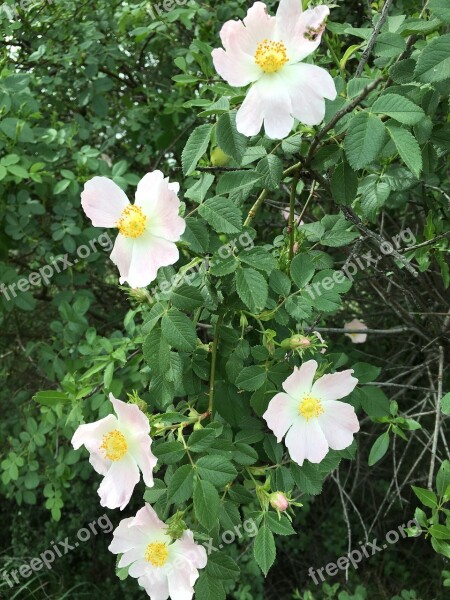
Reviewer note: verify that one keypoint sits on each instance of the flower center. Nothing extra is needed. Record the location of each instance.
(132, 221)
(310, 407)
(271, 56)
(114, 445)
(157, 554)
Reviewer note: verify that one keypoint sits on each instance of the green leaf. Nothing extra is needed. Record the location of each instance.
(231, 142)
(440, 8)
(427, 497)
(344, 184)
(216, 469)
(408, 148)
(196, 235)
(389, 45)
(237, 181)
(179, 331)
(433, 63)
(264, 549)
(195, 148)
(365, 372)
(169, 453)
(445, 404)
(278, 524)
(206, 504)
(251, 378)
(440, 532)
(443, 478)
(259, 258)
(252, 289)
(50, 398)
(364, 140)
(222, 215)
(209, 588)
(271, 170)
(181, 485)
(186, 297)
(222, 566)
(201, 439)
(308, 478)
(379, 448)
(302, 270)
(399, 108)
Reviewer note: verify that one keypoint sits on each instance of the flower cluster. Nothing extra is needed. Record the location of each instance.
(266, 52)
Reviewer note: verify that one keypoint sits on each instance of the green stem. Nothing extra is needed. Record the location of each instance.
(213, 365)
(291, 228)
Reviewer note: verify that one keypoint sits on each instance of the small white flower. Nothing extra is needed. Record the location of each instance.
(357, 338)
(163, 567)
(310, 415)
(148, 229)
(119, 447)
(266, 52)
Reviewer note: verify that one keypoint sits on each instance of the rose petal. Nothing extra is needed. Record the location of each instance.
(305, 440)
(280, 414)
(118, 484)
(103, 201)
(130, 416)
(338, 423)
(334, 386)
(300, 382)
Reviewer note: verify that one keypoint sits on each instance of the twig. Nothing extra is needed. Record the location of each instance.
(373, 38)
(438, 415)
(350, 215)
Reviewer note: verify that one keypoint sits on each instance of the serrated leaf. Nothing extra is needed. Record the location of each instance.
(251, 378)
(440, 8)
(179, 331)
(264, 549)
(217, 470)
(433, 63)
(344, 184)
(229, 139)
(271, 170)
(364, 140)
(195, 148)
(399, 108)
(206, 504)
(181, 485)
(222, 215)
(408, 148)
(252, 289)
(302, 270)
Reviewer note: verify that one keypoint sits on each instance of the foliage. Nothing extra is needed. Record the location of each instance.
(106, 89)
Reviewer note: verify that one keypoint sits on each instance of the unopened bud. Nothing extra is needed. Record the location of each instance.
(278, 501)
(296, 341)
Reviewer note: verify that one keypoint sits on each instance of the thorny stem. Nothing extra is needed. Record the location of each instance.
(213, 365)
(291, 228)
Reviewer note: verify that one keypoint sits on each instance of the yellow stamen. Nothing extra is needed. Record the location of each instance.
(114, 445)
(157, 554)
(132, 222)
(310, 407)
(271, 56)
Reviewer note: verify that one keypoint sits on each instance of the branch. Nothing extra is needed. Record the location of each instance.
(373, 38)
